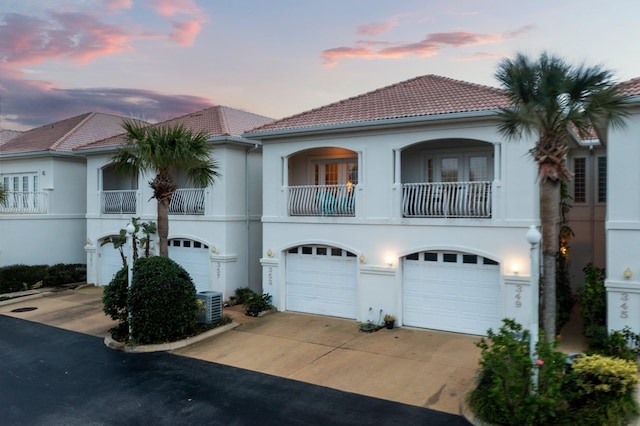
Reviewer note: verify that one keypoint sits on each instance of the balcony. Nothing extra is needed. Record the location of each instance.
(24, 203)
(321, 200)
(119, 202)
(187, 201)
(447, 200)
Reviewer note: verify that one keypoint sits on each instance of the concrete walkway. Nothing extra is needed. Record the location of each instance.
(412, 366)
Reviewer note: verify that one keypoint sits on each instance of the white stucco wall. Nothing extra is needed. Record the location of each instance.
(230, 227)
(378, 229)
(623, 226)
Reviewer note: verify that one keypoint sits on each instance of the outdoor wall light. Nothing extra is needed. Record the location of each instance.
(627, 273)
(269, 253)
(363, 258)
(214, 249)
(389, 261)
(515, 268)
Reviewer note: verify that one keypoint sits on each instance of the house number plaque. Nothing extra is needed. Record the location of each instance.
(518, 296)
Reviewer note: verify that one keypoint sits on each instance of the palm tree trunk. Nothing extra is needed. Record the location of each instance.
(550, 221)
(163, 227)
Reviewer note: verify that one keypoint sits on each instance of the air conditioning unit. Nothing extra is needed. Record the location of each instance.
(211, 306)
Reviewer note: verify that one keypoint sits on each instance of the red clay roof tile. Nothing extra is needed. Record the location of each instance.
(420, 96)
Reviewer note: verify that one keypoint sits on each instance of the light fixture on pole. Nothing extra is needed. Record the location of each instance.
(130, 230)
(534, 237)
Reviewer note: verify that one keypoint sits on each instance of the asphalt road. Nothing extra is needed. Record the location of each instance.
(51, 376)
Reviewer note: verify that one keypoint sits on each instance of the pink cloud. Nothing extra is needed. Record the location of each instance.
(80, 37)
(117, 5)
(331, 57)
(175, 7)
(186, 32)
(376, 28)
(429, 46)
(482, 55)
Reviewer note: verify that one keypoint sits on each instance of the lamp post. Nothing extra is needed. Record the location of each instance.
(534, 237)
(130, 230)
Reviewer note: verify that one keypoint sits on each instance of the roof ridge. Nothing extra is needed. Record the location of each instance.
(64, 137)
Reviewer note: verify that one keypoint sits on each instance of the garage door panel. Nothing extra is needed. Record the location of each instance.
(451, 296)
(194, 258)
(321, 284)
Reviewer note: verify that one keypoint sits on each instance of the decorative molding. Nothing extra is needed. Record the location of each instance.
(377, 270)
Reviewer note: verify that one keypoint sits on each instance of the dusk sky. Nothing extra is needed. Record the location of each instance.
(157, 59)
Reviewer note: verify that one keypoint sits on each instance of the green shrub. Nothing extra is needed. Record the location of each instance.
(162, 300)
(114, 297)
(255, 303)
(505, 394)
(593, 297)
(24, 277)
(242, 294)
(606, 390)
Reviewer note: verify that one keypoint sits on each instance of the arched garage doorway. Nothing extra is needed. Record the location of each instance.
(321, 280)
(193, 256)
(451, 291)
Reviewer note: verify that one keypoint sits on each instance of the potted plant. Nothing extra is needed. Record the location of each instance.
(389, 320)
(255, 303)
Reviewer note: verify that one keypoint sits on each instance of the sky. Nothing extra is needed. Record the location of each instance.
(158, 59)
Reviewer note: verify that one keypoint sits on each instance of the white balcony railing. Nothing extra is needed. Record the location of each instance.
(25, 203)
(119, 202)
(187, 201)
(447, 199)
(322, 200)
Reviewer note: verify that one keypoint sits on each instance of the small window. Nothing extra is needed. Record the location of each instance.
(322, 251)
(293, 250)
(431, 256)
(307, 250)
(470, 258)
(175, 243)
(580, 180)
(196, 244)
(349, 254)
(336, 252)
(450, 257)
(489, 261)
(413, 256)
(187, 243)
(602, 179)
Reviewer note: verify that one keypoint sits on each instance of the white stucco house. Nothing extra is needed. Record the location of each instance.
(405, 200)
(43, 219)
(214, 233)
(623, 219)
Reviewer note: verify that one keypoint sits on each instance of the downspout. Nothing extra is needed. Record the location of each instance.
(592, 204)
(247, 210)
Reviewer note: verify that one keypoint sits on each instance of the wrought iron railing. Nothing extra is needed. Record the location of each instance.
(322, 200)
(447, 199)
(119, 202)
(24, 203)
(187, 201)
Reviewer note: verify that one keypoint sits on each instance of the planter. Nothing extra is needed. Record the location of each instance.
(389, 324)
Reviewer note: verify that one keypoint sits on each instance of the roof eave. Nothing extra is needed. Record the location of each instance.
(35, 154)
(233, 140)
(360, 125)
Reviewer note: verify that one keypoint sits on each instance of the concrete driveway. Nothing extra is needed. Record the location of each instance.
(412, 366)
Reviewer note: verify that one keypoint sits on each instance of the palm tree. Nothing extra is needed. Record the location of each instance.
(165, 150)
(552, 101)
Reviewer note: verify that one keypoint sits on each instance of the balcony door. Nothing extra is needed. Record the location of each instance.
(471, 167)
(336, 172)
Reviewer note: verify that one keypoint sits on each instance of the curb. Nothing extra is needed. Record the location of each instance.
(123, 347)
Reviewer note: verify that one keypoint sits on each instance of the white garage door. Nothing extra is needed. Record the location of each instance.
(321, 280)
(452, 292)
(110, 263)
(193, 256)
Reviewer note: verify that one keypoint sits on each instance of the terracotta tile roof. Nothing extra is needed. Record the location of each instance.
(65, 135)
(421, 96)
(215, 121)
(631, 87)
(6, 135)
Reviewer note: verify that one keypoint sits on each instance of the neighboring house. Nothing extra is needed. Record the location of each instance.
(623, 220)
(214, 233)
(43, 218)
(405, 200)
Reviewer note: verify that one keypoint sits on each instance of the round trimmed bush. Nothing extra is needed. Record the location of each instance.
(114, 304)
(162, 301)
